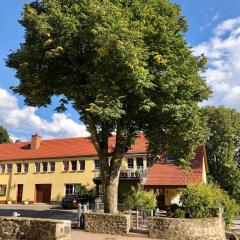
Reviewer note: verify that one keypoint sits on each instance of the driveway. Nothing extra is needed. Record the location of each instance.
(39, 211)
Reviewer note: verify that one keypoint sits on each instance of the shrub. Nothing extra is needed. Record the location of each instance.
(142, 200)
(199, 199)
(179, 213)
(58, 198)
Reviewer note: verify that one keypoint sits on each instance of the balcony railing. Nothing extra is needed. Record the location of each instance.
(129, 174)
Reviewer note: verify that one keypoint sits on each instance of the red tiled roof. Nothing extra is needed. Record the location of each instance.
(59, 148)
(168, 174)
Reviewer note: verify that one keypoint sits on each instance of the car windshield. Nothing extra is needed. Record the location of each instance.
(70, 197)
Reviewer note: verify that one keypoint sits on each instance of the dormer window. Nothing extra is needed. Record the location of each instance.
(170, 158)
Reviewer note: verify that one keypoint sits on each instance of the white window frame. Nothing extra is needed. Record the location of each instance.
(95, 165)
(73, 190)
(37, 167)
(66, 170)
(132, 160)
(9, 168)
(25, 167)
(44, 164)
(19, 170)
(52, 166)
(2, 168)
(3, 190)
(80, 165)
(75, 161)
(138, 166)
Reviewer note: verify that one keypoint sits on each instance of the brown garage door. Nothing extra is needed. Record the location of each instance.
(43, 193)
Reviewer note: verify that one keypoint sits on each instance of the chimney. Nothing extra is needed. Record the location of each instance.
(36, 141)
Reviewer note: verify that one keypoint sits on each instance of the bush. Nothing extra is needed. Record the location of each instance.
(58, 198)
(142, 200)
(199, 199)
(179, 213)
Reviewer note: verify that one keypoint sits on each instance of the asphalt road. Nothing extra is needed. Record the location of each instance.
(39, 211)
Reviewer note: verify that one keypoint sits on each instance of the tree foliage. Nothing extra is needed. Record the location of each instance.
(223, 148)
(4, 136)
(125, 67)
(141, 199)
(199, 199)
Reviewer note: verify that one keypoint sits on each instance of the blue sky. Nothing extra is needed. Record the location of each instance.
(214, 28)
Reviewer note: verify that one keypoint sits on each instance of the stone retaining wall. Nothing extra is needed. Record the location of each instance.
(107, 223)
(186, 229)
(12, 228)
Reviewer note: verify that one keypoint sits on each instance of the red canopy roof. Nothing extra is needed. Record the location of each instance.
(56, 148)
(168, 174)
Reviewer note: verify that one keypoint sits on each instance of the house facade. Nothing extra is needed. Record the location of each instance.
(42, 171)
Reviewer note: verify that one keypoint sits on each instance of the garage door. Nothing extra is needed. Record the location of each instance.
(43, 193)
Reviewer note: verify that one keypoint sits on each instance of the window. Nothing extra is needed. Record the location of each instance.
(3, 190)
(45, 166)
(139, 162)
(25, 167)
(170, 158)
(2, 168)
(37, 167)
(65, 165)
(82, 165)
(9, 168)
(96, 165)
(19, 167)
(72, 188)
(149, 162)
(130, 163)
(52, 166)
(74, 165)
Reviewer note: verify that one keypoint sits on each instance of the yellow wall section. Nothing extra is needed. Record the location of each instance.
(57, 179)
(171, 196)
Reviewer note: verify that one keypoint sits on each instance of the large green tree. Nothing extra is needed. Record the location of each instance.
(125, 67)
(4, 136)
(223, 146)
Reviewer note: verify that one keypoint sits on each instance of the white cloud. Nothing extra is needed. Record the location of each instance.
(223, 73)
(211, 20)
(24, 121)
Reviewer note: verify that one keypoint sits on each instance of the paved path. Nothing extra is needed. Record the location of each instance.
(81, 235)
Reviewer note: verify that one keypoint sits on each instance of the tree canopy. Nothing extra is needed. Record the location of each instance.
(125, 67)
(223, 148)
(4, 136)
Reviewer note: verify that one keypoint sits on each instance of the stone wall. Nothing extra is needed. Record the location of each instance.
(12, 228)
(186, 229)
(107, 223)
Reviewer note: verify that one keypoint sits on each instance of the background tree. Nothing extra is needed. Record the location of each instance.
(125, 67)
(4, 137)
(223, 147)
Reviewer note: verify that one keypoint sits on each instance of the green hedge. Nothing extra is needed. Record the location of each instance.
(199, 199)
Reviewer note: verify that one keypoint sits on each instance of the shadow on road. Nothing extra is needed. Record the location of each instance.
(49, 214)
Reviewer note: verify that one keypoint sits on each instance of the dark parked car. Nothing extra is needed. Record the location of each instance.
(72, 201)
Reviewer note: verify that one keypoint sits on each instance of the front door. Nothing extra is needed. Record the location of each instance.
(43, 193)
(19, 193)
(161, 199)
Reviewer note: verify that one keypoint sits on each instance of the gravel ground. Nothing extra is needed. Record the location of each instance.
(81, 235)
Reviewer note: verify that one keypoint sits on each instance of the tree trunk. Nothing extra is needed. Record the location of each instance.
(110, 189)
